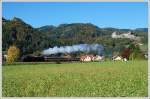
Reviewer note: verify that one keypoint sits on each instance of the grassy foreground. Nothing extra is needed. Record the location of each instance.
(77, 79)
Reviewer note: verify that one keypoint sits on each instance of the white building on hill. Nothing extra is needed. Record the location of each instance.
(125, 35)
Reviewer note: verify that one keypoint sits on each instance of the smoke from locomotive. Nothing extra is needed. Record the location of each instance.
(98, 48)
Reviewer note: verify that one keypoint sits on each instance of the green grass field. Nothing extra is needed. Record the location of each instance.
(77, 79)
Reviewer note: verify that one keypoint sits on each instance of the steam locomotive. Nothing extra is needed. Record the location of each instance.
(33, 58)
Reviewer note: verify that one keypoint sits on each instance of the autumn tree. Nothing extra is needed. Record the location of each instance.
(12, 54)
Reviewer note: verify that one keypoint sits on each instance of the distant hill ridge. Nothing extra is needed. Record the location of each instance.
(30, 39)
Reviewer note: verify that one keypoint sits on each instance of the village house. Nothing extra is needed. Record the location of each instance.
(86, 58)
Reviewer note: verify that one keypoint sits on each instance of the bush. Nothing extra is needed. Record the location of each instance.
(135, 53)
(12, 54)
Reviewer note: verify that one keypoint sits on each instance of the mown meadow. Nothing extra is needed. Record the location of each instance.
(102, 79)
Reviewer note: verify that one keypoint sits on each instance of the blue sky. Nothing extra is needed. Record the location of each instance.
(103, 14)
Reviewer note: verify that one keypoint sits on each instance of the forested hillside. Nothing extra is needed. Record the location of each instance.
(31, 40)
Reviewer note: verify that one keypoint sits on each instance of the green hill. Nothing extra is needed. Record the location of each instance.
(30, 39)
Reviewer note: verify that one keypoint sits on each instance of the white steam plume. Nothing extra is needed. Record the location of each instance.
(75, 48)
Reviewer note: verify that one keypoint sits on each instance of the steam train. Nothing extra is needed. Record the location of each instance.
(59, 58)
(33, 58)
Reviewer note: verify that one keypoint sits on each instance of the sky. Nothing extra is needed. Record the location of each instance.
(127, 15)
